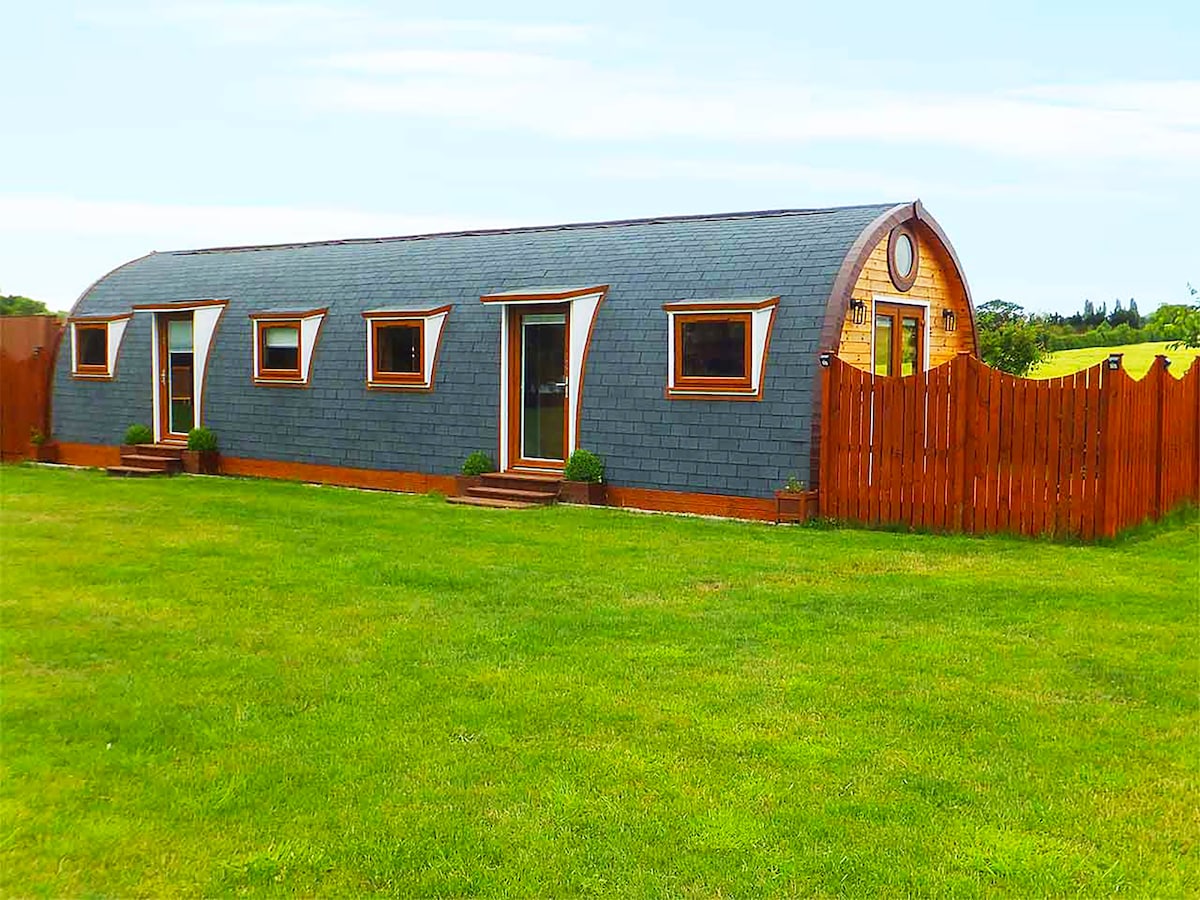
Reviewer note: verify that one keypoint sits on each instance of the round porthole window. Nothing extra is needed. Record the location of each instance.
(902, 257)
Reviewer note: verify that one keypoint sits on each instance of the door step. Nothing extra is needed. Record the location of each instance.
(520, 495)
(134, 471)
(146, 460)
(490, 502)
(512, 490)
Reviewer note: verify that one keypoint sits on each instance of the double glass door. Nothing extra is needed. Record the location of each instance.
(899, 339)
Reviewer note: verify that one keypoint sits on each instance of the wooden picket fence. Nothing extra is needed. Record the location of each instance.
(966, 448)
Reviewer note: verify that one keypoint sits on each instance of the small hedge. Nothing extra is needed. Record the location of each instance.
(202, 440)
(138, 434)
(478, 463)
(584, 465)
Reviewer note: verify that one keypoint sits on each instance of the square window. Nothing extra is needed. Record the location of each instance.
(91, 348)
(398, 355)
(712, 352)
(279, 350)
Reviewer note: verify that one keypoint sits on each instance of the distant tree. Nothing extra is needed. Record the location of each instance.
(1008, 339)
(1188, 322)
(14, 305)
(1135, 318)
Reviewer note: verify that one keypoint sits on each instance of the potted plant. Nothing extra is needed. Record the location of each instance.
(474, 467)
(583, 479)
(201, 456)
(41, 448)
(134, 435)
(795, 503)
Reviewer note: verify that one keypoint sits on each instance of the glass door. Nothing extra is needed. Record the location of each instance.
(899, 339)
(543, 389)
(176, 375)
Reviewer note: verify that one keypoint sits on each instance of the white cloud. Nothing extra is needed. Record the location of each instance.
(175, 226)
(586, 103)
(323, 23)
(485, 63)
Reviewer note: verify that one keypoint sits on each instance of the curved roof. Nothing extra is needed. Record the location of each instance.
(644, 260)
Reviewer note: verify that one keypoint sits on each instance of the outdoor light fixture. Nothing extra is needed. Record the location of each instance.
(949, 320)
(1166, 362)
(825, 357)
(1114, 361)
(858, 312)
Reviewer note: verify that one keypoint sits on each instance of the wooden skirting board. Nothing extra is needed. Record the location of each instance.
(757, 508)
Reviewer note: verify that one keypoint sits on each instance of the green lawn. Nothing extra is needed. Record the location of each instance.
(1137, 361)
(219, 686)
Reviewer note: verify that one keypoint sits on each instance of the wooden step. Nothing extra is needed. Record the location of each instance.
(490, 502)
(134, 471)
(522, 481)
(171, 451)
(520, 496)
(168, 464)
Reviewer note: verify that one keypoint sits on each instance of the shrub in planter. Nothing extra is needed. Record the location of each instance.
(201, 456)
(42, 448)
(138, 434)
(795, 503)
(474, 467)
(583, 479)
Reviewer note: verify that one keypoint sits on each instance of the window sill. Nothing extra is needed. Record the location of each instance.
(711, 394)
(280, 382)
(92, 376)
(399, 386)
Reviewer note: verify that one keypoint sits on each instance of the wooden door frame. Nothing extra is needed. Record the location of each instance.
(162, 376)
(515, 315)
(898, 306)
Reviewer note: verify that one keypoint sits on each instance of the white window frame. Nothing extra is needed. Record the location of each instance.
(114, 331)
(762, 319)
(433, 321)
(310, 329)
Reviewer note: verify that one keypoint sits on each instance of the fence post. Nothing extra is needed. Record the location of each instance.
(1109, 485)
(824, 485)
(1160, 413)
(958, 384)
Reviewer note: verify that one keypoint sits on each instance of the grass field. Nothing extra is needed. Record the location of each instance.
(1137, 360)
(217, 686)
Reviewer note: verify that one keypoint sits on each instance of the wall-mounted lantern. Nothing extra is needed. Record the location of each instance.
(858, 311)
(949, 320)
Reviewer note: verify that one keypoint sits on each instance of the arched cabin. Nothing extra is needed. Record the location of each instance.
(683, 350)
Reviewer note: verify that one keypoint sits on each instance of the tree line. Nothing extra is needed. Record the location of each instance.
(1015, 341)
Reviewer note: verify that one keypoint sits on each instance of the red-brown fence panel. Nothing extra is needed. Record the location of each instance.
(964, 447)
(27, 349)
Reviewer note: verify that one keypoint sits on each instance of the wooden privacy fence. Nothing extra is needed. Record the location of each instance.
(27, 348)
(964, 447)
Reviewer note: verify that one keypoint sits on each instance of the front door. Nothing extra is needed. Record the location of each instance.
(176, 376)
(899, 339)
(538, 388)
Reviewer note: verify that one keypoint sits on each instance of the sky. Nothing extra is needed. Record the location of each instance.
(1058, 143)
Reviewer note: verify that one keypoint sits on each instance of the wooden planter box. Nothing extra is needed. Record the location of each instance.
(462, 482)
(45, 452)
(586, 493)
(201, 462)
(795, 506)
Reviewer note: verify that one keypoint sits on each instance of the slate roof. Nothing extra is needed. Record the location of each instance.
(721, 249)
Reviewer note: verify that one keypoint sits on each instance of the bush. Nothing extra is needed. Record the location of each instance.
(478, 463)
(202, 440)
(138, 434)
(584, 465)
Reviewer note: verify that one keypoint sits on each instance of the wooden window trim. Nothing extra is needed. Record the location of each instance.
(86, 371)
(380, 377)
(706, 384)
(262, 373)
